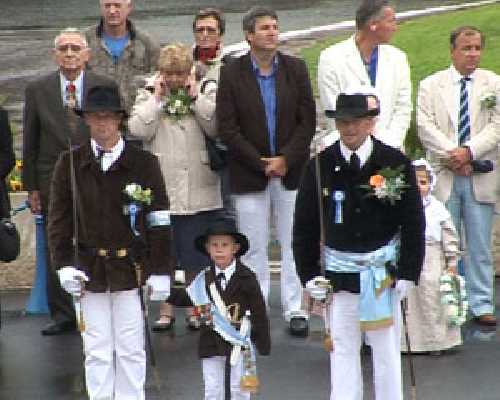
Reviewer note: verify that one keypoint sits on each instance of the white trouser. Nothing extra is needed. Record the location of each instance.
(213, 376)
(253, 217)
(115, 358)
(345, 361)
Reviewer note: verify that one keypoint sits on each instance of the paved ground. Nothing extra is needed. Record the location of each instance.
(33, 367)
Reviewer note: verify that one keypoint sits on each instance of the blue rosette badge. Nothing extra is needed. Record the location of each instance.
(138, 198)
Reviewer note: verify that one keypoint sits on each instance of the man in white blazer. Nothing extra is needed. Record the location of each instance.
(458, 118)
(366, 59)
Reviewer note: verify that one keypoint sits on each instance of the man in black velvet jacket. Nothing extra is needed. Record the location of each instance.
(367, 229)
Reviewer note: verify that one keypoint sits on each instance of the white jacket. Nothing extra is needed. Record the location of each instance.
(341, 67)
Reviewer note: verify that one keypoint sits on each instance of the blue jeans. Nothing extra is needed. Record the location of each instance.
(477, 219)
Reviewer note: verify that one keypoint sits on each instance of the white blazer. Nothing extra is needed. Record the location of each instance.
(437, 119)
(341, 67)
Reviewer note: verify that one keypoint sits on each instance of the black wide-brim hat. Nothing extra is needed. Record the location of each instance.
(102, 98)
(352, 106)
(223, 226)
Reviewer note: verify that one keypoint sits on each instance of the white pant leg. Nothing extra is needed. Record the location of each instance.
(386, 344)
(129, 345)
(98, 345)
(252, 215)
(283, 206)
(345, 361)
(213, 377)
(236, 392)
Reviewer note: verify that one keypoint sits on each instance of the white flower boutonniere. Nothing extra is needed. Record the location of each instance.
(387, 185)
(178, 104)
(488, 100)
(137, 194)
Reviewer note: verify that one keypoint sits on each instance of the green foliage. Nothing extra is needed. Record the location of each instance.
(426, 43)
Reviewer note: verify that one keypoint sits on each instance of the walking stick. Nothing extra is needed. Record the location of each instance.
(408, 349)
(147, 331)
(76, 299)
(327, 340)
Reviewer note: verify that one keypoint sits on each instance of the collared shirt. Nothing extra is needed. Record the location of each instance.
(78, 82)
(267, 86)
(363, 152)
(228, 273)
(455, 78)
(109, 157)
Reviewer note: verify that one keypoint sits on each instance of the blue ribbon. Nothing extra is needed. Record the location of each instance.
(133, 210)
(338, 197)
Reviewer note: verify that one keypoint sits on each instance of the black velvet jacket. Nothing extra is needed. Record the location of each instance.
(368, 223)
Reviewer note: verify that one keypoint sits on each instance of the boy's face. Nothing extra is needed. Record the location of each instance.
(423, 182)
(222, 249)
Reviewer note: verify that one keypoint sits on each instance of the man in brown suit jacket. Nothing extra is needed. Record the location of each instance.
(266, 117)
(49, 123)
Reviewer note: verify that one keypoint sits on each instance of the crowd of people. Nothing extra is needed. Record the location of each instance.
(168, 166)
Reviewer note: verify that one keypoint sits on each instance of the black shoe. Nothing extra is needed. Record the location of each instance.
(58, 328)
(299, 326)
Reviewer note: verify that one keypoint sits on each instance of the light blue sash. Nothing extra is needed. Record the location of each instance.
(198, 294)
(375, 305)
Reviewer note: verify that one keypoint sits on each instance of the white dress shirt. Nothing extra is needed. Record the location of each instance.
(455, 78)
(228, 273)
(363, 152)
(109, 157)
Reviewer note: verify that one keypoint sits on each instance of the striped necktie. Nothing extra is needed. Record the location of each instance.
(463, 117)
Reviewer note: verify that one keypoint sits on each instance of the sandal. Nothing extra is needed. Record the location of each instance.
(165, 323)
(193, 322)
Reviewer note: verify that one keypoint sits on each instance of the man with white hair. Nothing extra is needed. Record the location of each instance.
(367, 59)
(49, 124)
(120, 50)
(373, 244)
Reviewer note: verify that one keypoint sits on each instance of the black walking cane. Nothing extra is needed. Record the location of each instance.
(134, 256)
(408, 349)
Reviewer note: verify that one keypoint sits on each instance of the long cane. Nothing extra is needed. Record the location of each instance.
(327, 342)
(76, 299)
(147, 331)
(408, 349)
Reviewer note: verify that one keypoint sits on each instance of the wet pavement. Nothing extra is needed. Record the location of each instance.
(33, 367)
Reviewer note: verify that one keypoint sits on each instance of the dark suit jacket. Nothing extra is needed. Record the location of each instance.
(102, 223)
(368, 223)
(243, 127)
(243, 289)
(46, 129)
(7, 161)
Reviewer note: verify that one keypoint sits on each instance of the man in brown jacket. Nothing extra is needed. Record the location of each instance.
(112, 237)
(266, 117)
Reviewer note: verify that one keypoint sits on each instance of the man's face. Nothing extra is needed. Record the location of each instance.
(466, 54)
(265, 36)
(104, 126)
(222, 249)
(115, 12)
(71, 53)
(353, 132)
(207, 33)
(385, 27)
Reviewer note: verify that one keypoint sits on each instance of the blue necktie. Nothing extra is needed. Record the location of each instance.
(463, 116)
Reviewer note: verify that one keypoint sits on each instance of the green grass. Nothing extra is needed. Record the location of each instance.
(426, 43)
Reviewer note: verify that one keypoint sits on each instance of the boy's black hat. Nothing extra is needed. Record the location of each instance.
(222, 226)
(352, 106)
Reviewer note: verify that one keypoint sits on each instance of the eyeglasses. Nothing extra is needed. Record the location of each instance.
(75, 48)
(205, 29)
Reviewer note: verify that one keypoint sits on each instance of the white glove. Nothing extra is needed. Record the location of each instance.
(318, 287)
(71, 280)
(160, 287)
(402, 287)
